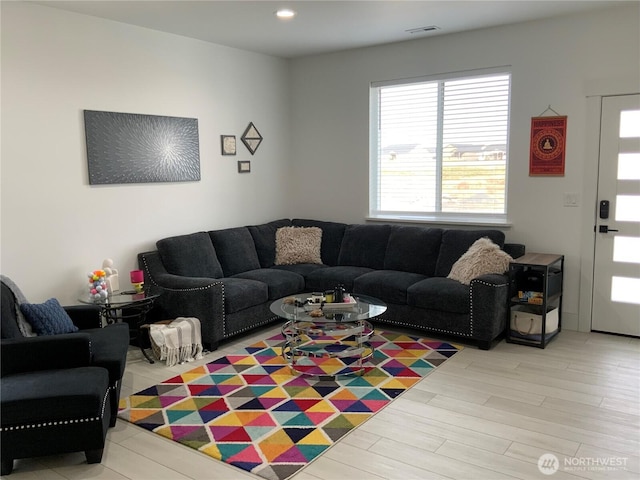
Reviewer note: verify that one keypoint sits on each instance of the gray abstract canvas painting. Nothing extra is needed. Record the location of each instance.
(134, 148)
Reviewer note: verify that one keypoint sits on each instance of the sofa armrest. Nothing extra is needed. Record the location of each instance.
(516, 250)
(180, 296)
(84, 316)
(489, 299)
(202, 298)
(46, 352)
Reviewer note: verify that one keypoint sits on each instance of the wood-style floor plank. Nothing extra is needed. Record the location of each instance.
(481, 415)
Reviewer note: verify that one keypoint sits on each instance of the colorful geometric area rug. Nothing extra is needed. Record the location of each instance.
(249, 410)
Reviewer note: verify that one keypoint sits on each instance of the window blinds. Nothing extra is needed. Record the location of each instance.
(441, 146)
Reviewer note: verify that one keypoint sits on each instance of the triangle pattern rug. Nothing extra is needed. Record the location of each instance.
(249, 410)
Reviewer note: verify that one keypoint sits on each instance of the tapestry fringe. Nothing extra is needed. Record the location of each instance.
(178, 342)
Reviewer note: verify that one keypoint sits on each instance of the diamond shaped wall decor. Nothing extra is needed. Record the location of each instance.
(251, 138)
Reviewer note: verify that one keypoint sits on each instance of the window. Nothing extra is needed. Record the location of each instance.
(439, 147)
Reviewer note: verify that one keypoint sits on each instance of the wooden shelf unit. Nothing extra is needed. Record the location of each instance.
(544, 273)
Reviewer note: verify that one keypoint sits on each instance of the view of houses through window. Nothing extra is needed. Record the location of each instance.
(440, 146)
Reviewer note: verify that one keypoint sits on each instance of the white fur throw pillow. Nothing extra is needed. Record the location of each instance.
(483, 257)
(298, 245)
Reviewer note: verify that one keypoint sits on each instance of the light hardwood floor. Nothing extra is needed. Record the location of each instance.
(481, 415)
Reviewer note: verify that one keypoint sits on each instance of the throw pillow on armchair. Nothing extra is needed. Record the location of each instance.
(48, 318)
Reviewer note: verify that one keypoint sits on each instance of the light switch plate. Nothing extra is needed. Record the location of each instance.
(571, 199)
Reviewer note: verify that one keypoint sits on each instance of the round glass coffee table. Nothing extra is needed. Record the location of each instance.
(327, 338)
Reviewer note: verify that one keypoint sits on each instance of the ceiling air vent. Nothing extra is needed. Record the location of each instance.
(429, 28)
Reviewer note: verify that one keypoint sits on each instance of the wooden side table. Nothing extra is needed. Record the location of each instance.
(535, 305)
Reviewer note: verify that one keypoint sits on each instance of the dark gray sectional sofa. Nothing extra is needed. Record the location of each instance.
(228, 279)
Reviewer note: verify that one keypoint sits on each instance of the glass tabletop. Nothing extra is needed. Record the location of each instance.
(124, 297)
(297, 307)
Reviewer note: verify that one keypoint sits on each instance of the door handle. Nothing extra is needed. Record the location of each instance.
(605, 229)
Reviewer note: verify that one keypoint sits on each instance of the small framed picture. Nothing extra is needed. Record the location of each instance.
(244, 166)
(228, 143)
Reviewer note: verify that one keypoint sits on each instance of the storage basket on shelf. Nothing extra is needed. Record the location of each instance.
(527, 324)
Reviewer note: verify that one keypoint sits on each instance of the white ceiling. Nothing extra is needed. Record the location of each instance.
(319, 26)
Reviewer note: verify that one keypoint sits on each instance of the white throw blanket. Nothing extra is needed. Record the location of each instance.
(179, 342)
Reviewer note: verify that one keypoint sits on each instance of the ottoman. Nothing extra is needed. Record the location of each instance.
(54, 411)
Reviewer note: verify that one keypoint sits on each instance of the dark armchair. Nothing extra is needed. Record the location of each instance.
(107, 346)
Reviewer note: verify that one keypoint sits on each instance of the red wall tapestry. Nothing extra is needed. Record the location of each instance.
(548, 135)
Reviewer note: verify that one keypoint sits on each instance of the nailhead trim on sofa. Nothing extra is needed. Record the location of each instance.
(478, 322)
(60, 422)
(441, 330)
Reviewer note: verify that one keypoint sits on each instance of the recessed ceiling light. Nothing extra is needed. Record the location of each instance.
(285, 13)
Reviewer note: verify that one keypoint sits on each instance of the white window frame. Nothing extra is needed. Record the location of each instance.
(375, 213)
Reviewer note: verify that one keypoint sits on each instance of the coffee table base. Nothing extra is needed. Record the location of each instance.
(327, 365)
(327, 350)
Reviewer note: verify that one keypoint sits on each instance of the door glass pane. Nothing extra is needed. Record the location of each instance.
(628, 208)
(625, 290)
(629, 166)
(629, 123)
(626, 249)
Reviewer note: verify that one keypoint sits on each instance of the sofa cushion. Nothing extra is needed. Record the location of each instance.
(241, 293)
(332, 235)
(456, 242)
(328, 278)
(388, 285)
(482, 258)
(280, 283)
(364, 246)
(303, 269)
(48, 318)
(190, 256)
(236, 250)
(413, 249)
(264, 238)
(298, 245)
(437, 293)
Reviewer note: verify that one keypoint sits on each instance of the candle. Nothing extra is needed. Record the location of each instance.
(137, 276)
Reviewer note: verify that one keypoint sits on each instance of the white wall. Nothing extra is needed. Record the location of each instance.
(554, 62)
(55, 64)
(55, 226)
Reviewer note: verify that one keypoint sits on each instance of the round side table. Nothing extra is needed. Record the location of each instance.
(126, 306)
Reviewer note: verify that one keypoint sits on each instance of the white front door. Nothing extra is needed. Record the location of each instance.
(616, 282)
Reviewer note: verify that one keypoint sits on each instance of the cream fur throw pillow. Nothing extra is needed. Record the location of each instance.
(298, 245)
(483, 257)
